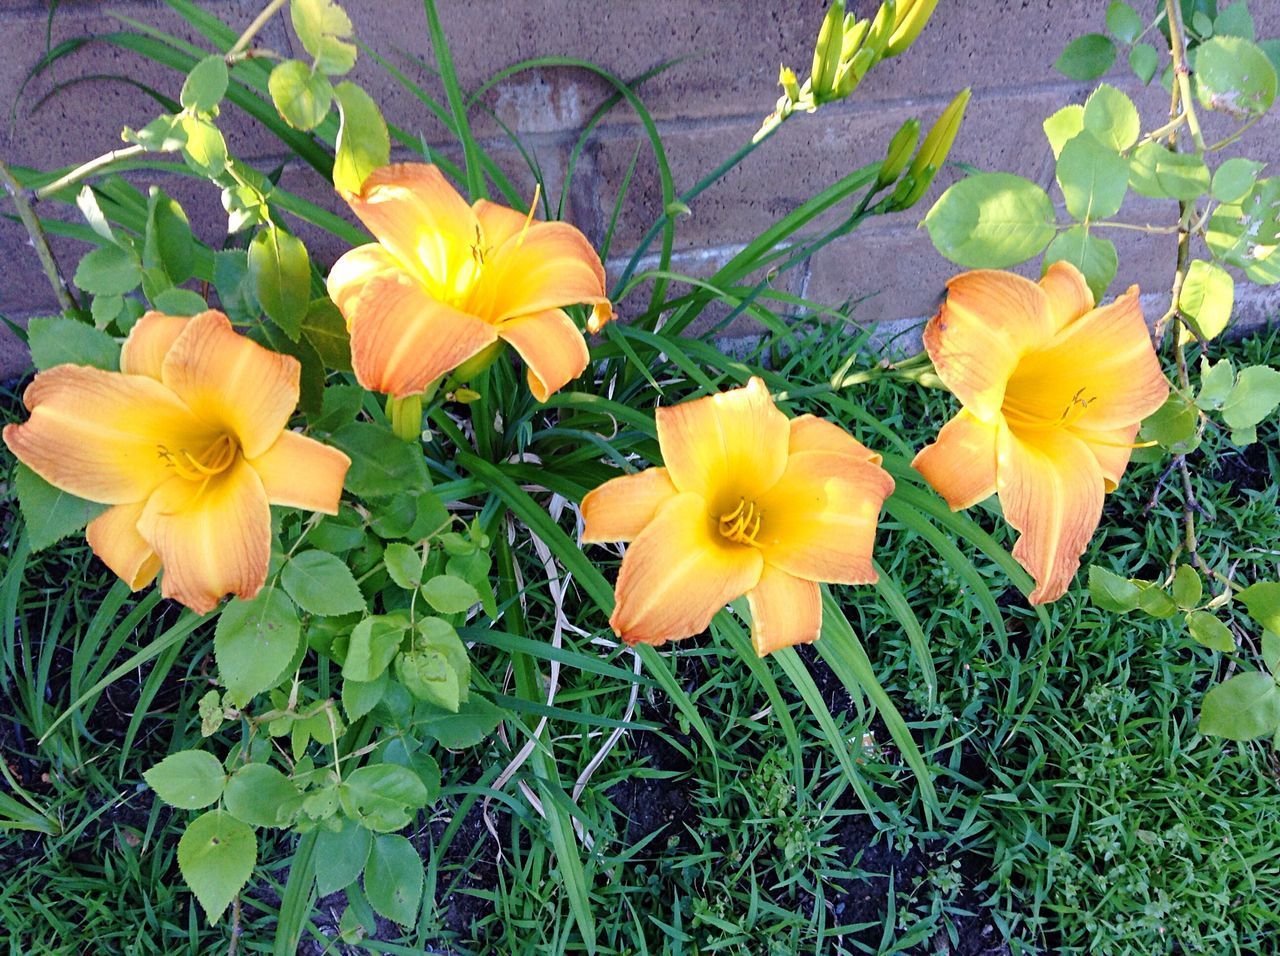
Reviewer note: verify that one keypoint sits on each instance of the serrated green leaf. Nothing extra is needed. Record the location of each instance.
(1207, 297)
(1210, 632)
(261, 796)
(216, 856)
(475, 720)
(1112, 118)
(1215, 383)
(393, 879)
(322, 584)
(363, 141)
(205, 85)
(360, 697)
(281, 273)
(449, 594)
(1144, 61)
(323, 28)
(1163, 174)
(1154, 601)
(254, 642)
(50, 513)
(326, 329)
(203, 148)
(383, 797)
(1271, 652)
(1243, 708)
(301, 95)
(1093, 177)
(1095, 257)
(374, 642)
(109, 270)
(1234, 75)
(1254, 396)
(1087, 58)
(340, 857)
(1188, 589)
(404, 564)
(57, 340)
(1174, 425)
(1234, 179)
(188, 779)
(381, 464)
(1262, 601)
(1063, 126)
(1111, 592)
(1123, 21)
(991, 220)
(1234, 20)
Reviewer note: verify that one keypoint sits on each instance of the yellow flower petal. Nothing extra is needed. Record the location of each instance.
(355, 271)
(961, 464)
(548, 266)
(424, 222)
(149, 342)
(300, 472)
(725, 446)
(1112, 448)
(213, 538)
(1069, 295)
(552, 348)
(785, 610)
(102, 435)
(1051, 490)
(620, 508)
(819, 520)
(114, 538)
(231, 382)
(1100, 372)
(810, 433)
(678, 573)
(498, 223)
(402, 340)
(989, 320)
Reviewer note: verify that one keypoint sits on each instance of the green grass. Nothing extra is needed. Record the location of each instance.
(1083, 813)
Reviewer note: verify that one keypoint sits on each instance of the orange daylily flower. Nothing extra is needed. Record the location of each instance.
(1053, 391)
(446, 280)
(187, 443)
(749, 503)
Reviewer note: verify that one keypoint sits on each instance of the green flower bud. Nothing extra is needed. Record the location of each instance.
(912, 16)
(826, 53)
(900, 149)
(937, 144)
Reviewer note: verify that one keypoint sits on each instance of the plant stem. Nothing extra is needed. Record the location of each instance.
(1181, 73)
(253, 28)
(85, 170)
(38, 241)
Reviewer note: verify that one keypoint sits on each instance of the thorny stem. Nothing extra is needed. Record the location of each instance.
(38, 241)
(234, 945)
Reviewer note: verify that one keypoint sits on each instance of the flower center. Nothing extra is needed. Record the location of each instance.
(742, 524)
(1026, 416)
(214, 460)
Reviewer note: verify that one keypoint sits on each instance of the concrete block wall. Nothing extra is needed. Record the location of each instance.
(710, 101)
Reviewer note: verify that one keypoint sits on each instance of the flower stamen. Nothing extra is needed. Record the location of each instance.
(742, 524)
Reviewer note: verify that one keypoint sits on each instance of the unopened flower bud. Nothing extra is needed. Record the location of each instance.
(912, 16)
(826, 53)
(790, 85)
(899, 153)
(937, 144)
